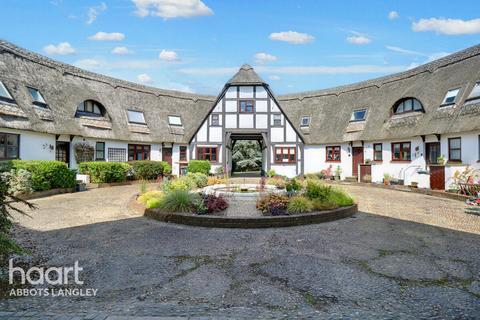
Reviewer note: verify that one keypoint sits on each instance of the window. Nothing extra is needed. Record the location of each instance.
(450, 96)
(90, 107)
(100, 151)
(174, 120)
(37, 98)
(407, 105)
(285, 154)
(246, 106)
(215, 119)
(455, 149)
(9, 146)
(183, 153)
(377, 152)
(305, 122)
(475, 94)
(358, 115)
(4, 94)
(135, 117)
(207, 153)
(138, 152)
(401, 151)
(277, 119)
(333, 154)
(117, 155)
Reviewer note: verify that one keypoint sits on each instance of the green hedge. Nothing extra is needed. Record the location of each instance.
(105, 172)
(202, 166)
(167, 168)
(46, 174)
(146, 169)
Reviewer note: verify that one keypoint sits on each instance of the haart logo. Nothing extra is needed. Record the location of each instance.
(40, 275)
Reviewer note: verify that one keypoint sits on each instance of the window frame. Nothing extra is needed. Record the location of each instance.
(470, 97)
(174, 124)
(333, 152)
(280, 119)
(135, 122)
(5, 146)
(375, 152)
(444, 103)
(215, 120)
(403, 100)
(42, 104)
(91, 113)
(308, 121)
(183, 150)
(282, 153)
(10, 97)
(97, 158)
(246, 105)
(450, 159)
(201, 155)
(401, 150)
(359, 110)
(143, 148)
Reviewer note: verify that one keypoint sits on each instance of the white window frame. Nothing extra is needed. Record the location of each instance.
(476, 89)
(302, 124)
(172, 122)
(279, 119)
(135, 112)
(39, 100)
(8, 96)
(449, 95)
(352, 117)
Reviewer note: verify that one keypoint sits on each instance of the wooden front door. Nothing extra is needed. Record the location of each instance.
(62, 152)
(357, 158)
(437, 177)
(167, 155)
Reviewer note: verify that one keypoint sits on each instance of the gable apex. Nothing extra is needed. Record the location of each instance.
(246, 75)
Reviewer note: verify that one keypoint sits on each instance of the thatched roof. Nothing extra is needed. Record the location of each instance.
(65, 86)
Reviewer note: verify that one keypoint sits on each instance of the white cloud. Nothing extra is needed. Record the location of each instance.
(292, 37)
(274, 78)
(168, 55)
(144, 78)
(447, 26)
(121, 50)
(93, 12)
(262, 57)
(392, 15)
(405, 51)
(88, 64)
(63, 48)
(106, 36)
(171, 8)
(358, 40)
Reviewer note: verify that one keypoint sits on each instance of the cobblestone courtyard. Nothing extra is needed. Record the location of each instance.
(403, 256)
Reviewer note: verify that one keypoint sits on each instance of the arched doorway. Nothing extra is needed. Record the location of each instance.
(246, 154)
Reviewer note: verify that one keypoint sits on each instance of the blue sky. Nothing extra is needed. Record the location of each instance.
(197, 45)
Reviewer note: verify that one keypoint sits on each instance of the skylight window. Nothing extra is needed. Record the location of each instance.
(174, 120)
(305, 122)
(451, 96)
(475, 94)
(4, 92)
(37, 97)
(135, 117)
(358, 115)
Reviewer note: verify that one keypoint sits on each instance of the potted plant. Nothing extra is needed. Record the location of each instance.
(386, 179)
(338, 172)
(368, 161)
(441, 160)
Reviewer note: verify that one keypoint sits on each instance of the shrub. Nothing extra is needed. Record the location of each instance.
(167, 168)
(278, 182)
(20, 181)
(146, 169)
(47, 174)
(105, 172)
(271, 173)
(179, 201)
(334, 199)
(299, 204)
(182, 183)
(200, 179)
(202, 166)
(317, 190)
(216, 180)
(272, 201)
(153, 203)
(215, 204)
(149, 195)
(293, 185)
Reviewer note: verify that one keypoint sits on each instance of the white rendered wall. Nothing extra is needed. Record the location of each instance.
(34, 145)
(285, 170)
(315, 160)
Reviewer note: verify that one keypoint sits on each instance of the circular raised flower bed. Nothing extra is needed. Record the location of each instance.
(252, 222)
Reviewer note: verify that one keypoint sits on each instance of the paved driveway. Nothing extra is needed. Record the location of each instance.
(377, 264)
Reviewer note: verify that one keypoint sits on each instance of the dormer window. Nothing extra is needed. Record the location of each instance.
(358, 115)
(175, 121)
(37, 98)
(475, 94)
(91, 108)
(407, 105)
(450, 97)
(4, 94)
(305, 121)
(135, 117)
